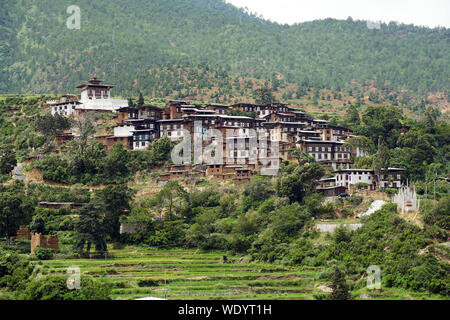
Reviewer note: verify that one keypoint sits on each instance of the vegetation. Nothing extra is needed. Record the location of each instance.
(299, 55)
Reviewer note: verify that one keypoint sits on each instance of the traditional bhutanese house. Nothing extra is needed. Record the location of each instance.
(331, 191)
(178, 167)
(227, 125)
(66, 106)
(176, 109)
(351, 177)
(175, 172)
(126, 114)
(299, 115)
(63, 137)
(261, 110)
(144, 133)
(307, 135)
(204, 121)
(150, 112)
(329, 153)
(247, 107)
(334, 133)
(392, 179)
(289, 132)
(219, 109)
(326, 182)
(279, 117)
(172, 128)
(109, 141)
(196, 111)
(145, 112)
(243, 175)
(280, 107)
(318, 123)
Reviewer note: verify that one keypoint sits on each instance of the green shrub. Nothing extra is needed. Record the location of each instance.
(43, 253)
(148, 283)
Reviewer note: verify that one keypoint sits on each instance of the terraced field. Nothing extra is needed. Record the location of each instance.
(197, 275)
(190, 274)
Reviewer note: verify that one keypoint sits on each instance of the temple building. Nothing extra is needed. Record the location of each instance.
(96, 96)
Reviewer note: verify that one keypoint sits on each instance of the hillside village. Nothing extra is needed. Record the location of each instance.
(289, 128)
(287, 192)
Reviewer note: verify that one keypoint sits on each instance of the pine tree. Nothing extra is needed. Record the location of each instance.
(140, 102)
(339, 286)
(131, 103)
(264, 95)
(381, 161)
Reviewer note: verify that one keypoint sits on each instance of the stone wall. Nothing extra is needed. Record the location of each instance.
(24, 233)
(131, 228)
(39, 240)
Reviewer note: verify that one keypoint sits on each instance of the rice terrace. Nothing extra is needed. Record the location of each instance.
(194, 274)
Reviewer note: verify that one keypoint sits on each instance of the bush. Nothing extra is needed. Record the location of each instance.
(148, 283)
(55, 288)
(390, 191)
(44, 253)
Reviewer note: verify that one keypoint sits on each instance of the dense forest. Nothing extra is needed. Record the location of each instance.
(120, 40)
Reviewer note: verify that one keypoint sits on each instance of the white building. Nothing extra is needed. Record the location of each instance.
(351, 177)
(65, 106)
(97, 97)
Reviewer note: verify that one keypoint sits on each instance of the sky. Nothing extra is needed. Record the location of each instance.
(430, 13)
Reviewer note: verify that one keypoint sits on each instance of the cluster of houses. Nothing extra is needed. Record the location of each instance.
(290, 129)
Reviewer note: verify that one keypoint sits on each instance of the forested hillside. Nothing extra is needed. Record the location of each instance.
(120, 40)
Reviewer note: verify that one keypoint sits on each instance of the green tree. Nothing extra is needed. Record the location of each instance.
(264, 95)
(431, 119)
(55, 288)
(381, 160)
(170, 195)
(339, 286)
(300, 181)
(140, 102)
(362, 143)
(116, 201)
(160, 150)
(353, 115)
(131, 103)
(15, 210)
(7, 158)
(115, 164)
(381, 121)
(50, 125)
(91, 228)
